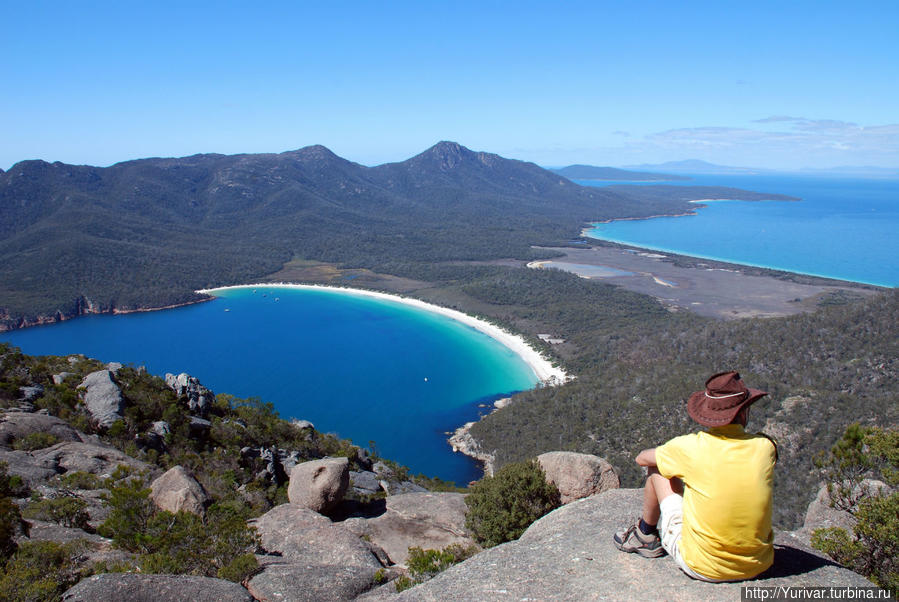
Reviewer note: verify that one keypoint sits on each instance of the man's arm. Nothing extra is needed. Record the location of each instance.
(647, 457)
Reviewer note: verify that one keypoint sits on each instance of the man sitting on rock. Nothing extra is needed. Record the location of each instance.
(709, 492)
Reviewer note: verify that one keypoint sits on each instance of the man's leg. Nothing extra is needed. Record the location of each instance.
(642, 538)
(656, 489)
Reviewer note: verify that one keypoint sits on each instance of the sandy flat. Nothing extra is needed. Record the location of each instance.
(706, 288)
(542, 368)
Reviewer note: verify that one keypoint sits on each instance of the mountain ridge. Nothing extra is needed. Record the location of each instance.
(69, 233)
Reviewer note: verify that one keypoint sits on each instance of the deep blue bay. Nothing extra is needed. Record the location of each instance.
(363, 368)
(842, 228)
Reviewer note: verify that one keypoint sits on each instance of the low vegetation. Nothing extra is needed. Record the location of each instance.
(426, 564)
(501, 507)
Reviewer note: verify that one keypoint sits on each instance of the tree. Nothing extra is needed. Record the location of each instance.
(873, 547)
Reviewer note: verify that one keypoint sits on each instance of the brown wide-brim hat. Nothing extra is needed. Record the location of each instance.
(724, 396)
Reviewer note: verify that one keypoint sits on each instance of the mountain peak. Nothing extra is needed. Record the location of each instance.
(447, 155)
(315, 152)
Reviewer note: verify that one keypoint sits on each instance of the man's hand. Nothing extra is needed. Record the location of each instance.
(647, 457)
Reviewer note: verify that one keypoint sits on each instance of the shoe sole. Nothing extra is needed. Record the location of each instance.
(644, 552)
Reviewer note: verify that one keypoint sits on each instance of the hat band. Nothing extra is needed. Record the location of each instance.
(710, 396)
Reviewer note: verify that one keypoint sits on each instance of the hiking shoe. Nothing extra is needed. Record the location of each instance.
(633, 541)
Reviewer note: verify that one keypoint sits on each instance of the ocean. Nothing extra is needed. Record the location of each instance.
(842, 228)
(366, 369)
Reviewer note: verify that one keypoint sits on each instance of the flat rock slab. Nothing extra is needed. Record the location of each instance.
(102, 397)
(304, 537)
(39, 465)
(426, 520)
(569, 555)
(95, 458)
(132, 587)
(18, 425)
(290, 582)
(39, 530)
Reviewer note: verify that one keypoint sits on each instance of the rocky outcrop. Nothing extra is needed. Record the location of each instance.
(102, 397)
(199, 398)
(97, 458)
(293, 583)
(60, 378)
(821, 515)
(319, 484)
(302, 536)
(578, 475)
(463, 442)
(31, 393)
(135, 587)
(568, 555)
(425, 520)
(177, 491)
(364, 482)
(310, 558)
(18, 425)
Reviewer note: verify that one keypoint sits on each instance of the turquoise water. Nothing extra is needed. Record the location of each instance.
(842, 228)
(366, 369)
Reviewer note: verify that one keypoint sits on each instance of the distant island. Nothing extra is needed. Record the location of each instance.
(696, 166)
(592, 172)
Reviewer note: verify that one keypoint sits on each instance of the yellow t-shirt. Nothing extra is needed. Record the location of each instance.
(727, 476)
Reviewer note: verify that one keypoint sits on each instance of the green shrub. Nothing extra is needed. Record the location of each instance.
(41, 570)
(425, 564)
(501, 507)
(403, 582)
(239, 568)
(80, 480)
(67, 511)
(130, 512)
(34, 441)
(10, 517)
(180, 543)
(380, 577)
(873, 548)
(10, 523)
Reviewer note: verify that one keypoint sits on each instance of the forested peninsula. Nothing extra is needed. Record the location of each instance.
(453, 227)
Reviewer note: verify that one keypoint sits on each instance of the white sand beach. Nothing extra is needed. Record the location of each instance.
(543, 369)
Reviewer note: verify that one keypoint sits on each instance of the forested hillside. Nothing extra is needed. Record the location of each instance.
(148, 233)
(637, 365)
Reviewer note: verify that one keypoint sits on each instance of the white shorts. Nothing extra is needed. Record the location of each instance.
(670, 524)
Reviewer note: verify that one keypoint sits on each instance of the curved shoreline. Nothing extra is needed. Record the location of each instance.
(545, 372)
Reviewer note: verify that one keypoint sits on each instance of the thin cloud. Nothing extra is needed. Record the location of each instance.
(778, 118)
(811, 141)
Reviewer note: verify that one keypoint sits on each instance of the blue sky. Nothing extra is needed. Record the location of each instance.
(767, 84)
